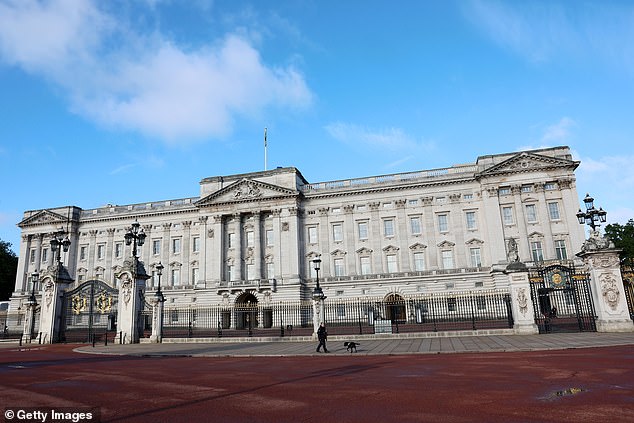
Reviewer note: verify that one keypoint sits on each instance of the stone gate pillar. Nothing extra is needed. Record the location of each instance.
(318, 312)
(602, 260)
(521, 301)
(157, 317)
(27, 331)
(55, 282)
(131, 301)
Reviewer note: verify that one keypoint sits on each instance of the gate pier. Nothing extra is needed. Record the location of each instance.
(602, 261)
(521, 302)
(131, 301)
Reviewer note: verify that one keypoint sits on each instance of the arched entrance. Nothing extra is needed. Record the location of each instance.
(246, 311)
(395, 308)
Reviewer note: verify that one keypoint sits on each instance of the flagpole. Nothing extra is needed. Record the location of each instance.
(265, 149)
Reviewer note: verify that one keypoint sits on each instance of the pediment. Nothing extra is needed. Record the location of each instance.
(44, 217)
(390, 249)
(338, 253)
(364, 250)
(474, 241)
(417, 246)
(535, 234)
(246, 190)
(528, 162)
(446, 244)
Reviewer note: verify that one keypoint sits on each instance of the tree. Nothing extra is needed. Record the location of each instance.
(8, 270)
(623, 238)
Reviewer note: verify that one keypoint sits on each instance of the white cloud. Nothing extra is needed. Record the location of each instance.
(123, 79)
(547, 31)
(560, 131)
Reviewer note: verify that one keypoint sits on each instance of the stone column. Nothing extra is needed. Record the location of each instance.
(376, 236)
(185, 252)
(109, 247)
(401, 236)
(216, 234)
(257, 246)
(20, 277)
(165, 253)
(29, 320)
(55, 282)
(131, 301)
(92, 247)
(521, 302)
(608, 294)
(318, 312)
(158, 302)
(239, 262)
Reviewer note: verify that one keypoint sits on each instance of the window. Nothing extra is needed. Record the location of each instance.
(553, 211)
(269, 237)
(507, 215)
(388, 227)
(196, 244)
(231, 240)
(413, 202)
(156, 247)
(363, 230)
(443, 223)
(100, 249)
(476, 257)
(118, 250)
(366, 267)
(82, 252)
(451, 304)
(550, 186)
(176, 245)
(560, 250)
(270, 270)
(536, 250)
(527, 188)
(250, 239)
(312, 235)
(250, 272)
(339, 267)
(414, 225)
(32, 256)
(531, 213)
(392, 264)
(419, 261)
(194, 276)
(504, 191)
(337, 232)
(230, 272)
(471, 220)
(176, 277)
(44, 254)
(468, 196)
(447, 259)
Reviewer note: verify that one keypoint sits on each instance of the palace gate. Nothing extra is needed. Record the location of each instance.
(562, 299)
(89, 313)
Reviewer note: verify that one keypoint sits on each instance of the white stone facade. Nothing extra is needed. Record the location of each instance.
(257, 233)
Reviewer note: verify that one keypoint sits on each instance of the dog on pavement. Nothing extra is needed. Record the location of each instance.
(351, 346)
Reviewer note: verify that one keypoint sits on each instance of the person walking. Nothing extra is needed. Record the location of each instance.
(322, 334)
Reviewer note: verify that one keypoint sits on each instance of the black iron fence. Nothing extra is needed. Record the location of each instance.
(12, 325)
(424, 313)
(627, 273)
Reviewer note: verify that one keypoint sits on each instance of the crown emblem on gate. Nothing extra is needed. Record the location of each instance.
(78, 304)
(104, 303)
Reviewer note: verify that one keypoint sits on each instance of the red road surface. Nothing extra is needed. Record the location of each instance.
(580, 385)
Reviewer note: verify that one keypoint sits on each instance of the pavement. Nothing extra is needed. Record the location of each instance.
(387, 346)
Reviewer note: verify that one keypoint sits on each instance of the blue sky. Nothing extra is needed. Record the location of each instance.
(133, 101)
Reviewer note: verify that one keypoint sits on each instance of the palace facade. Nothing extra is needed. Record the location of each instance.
(253, 236)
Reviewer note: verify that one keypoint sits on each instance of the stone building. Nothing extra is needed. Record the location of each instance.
(253, 236)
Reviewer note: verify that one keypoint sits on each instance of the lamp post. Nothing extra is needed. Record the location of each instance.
(318, 299)
(35, 278)
(135, 236)
(158, 295)
(159, 299)
(591, 215)
(317, 292)
(59, 243)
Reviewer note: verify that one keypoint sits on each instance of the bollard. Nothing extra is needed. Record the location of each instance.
(40, 339)
(105, 342)
(21, 336)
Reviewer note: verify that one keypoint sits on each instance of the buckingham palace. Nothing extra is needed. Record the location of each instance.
(254, 236)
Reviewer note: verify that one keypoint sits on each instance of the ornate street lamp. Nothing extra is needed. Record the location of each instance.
(35, 278)
(159, 294)
(135, 236)
(591, 215)
(317, 292)
(59, 243)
